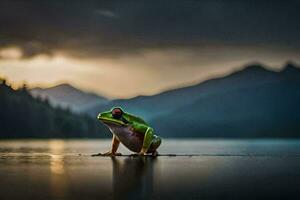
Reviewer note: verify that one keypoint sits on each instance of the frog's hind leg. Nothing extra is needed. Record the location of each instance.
(154, 154)
(154, 145)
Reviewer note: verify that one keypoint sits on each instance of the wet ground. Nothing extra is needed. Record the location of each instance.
(187, 169)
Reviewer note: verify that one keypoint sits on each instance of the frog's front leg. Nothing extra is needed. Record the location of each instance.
(114, 147)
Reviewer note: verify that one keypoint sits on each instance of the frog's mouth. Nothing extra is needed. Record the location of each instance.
(109, 121)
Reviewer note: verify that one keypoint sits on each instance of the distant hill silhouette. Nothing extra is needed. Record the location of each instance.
(23, 116)
(67, 96)
(252, 102)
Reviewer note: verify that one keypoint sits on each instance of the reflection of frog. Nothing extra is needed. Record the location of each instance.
(131, 131)
(133, 177)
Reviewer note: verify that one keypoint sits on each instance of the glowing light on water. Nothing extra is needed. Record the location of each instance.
(56, 161)
(58, 179)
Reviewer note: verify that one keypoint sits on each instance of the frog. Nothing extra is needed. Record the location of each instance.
(130, 130)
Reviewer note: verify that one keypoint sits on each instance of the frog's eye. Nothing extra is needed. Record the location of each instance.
(117, 113)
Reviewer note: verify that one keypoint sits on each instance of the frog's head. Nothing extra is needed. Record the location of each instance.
(113, 117)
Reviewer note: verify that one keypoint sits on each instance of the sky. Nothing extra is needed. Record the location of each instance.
(121, 49)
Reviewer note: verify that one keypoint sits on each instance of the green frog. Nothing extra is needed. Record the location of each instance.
(132, 131)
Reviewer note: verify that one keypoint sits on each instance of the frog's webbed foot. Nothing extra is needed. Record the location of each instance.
(109, 153)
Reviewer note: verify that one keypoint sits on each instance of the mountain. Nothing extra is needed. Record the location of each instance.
(67, 96)
(152, 106)
(251, 102)
(24, 116)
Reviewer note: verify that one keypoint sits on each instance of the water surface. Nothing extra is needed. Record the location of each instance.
(203, 169)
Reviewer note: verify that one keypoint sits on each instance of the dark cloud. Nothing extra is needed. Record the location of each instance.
(109, 28)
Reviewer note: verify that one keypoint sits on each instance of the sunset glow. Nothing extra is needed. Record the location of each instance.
(128, 76)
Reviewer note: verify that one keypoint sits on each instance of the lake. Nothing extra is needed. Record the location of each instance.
(197, 169)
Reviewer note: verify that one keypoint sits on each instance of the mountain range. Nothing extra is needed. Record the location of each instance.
(251, 102)
(67, 96)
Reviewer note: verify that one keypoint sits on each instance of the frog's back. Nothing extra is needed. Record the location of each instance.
(133, 118)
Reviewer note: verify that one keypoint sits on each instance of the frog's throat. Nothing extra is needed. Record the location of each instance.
(111, 120)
